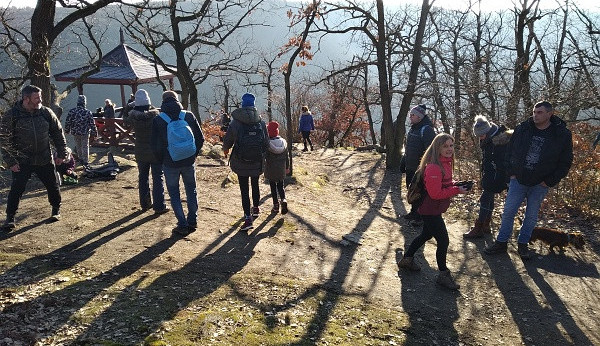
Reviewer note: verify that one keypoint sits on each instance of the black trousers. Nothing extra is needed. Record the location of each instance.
(47, 176)
(277, 188)
(433, 227)
(245, 190)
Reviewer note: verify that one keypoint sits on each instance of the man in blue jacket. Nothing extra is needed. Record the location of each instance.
(541, 154)
(183, 168)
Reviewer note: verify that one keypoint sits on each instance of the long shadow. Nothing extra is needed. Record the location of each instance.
(42, 266)
(525, 308)
(170, 293)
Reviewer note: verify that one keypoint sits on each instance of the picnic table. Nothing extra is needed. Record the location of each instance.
(113, 132)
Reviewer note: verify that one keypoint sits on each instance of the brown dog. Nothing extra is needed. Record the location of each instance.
(554, 237)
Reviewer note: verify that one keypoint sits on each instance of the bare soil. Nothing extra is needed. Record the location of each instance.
(109, 273)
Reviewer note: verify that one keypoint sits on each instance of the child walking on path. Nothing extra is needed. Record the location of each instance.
(276, 167)
(437, 164)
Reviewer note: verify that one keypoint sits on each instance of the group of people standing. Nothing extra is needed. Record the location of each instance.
(527, 161)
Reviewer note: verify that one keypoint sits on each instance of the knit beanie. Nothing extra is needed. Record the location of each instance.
(81, 100)
(248, 100)
(142, 98)
(169, 93)
(273, 129)
(482, 126)
(419, 111)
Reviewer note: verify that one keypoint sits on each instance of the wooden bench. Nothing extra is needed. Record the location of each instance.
(113, 132)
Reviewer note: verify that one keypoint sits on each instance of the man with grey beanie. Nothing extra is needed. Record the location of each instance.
(80, 123)
(493, 140)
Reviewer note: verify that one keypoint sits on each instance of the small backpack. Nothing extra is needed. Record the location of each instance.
(416, 189)
(250, 143)
(180, 137)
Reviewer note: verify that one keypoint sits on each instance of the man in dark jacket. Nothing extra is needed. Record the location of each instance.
(418, 139)
(541, 154)
(183, 168)
(246, 162)
(493, 140)
(25, 135)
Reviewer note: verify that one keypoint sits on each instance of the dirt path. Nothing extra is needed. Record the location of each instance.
(108, 271)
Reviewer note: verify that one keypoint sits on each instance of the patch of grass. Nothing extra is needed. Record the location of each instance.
(321, 180)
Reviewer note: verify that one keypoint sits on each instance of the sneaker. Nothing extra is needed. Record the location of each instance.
(446, 280)
(181, 230)
(9, 223)
(275, 209)
(523, 251)
(497, 247)
(162, 211)
(255, 212)
(412, 216)
(305, 149)
(247, 224)
(192, 226)
(409, 263)
(284, 208)
(55, 214)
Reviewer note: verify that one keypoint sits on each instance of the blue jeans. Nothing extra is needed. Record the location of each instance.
(158, 188)
(188, 174)
(517, 193)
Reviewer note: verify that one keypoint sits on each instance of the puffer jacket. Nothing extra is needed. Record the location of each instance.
(494, 159)
(80, 122)
(158, 141)
(276, 159)
(25, 137)
(307, 123)
(440, 188)
(240, 116)
(556, 153)
(141, 121)
(416, 144)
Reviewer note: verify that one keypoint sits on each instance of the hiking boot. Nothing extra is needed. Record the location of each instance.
(192, 226)
(409, 263)
(284, 208)
(305, 149)
(55, 216)
(181, 230)
(255, 212)
(162, 211)
(475, 232)
(275, 209)
(413, 215)
(485, 227)
(497, 248)
(446, 280)
(9, 223)
(247, 224)
(523, 251)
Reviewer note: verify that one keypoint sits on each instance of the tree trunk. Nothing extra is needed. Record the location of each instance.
(42, 25)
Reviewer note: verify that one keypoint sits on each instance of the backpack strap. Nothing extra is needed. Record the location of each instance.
(182, 115)
(423, 129)
(165, 117)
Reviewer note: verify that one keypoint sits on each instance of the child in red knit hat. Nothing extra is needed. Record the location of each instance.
(277, 166)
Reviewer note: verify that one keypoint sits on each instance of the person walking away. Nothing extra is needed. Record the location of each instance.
(540, 155)
(493, 140)
(419, 137)
(26, 132)
(437, 164)
(171, 147)
(277, 166)
(141, 118)
(109, 109)
(307, 124)
(247, 135)
(80, 123)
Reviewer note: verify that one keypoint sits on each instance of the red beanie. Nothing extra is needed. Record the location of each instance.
(273, 129)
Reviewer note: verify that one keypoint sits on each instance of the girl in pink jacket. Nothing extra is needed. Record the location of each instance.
(437, 164)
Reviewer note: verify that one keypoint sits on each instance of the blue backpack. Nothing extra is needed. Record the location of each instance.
(180, 137)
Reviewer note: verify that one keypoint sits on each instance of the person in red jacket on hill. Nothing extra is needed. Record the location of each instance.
(437, 164)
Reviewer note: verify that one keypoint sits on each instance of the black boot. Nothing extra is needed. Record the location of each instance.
(55, 214)
(9, 223)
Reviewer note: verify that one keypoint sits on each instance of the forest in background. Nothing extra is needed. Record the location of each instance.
(459, 63)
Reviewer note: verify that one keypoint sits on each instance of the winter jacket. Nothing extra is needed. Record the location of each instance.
(306, 123)
(80, 122)
(555, 153)
(417, 142)
(141, 121)
(158, 141)
(109, 112)
(25, 137)
(276, 159)
(494, 161)
(240, 116)
(440, 188)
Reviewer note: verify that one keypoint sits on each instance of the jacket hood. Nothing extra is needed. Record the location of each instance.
(171, 107)
(555, 122)
(277, 145)
(503, 136)
(140, 115)
(423, 122)
(246, 115)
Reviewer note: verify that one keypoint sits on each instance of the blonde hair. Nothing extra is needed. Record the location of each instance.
(433, 152)
(305, 109)
(109, 102)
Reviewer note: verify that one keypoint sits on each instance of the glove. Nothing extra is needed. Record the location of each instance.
(226, 152)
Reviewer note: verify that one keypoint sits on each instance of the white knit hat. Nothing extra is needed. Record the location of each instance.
(142, 98)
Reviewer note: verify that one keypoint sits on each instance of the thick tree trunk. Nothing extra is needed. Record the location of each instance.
(42, 25)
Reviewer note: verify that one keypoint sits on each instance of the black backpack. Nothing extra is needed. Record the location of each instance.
(416, 189)
(250, 143)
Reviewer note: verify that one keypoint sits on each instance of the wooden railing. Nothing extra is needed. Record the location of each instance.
(113, 132)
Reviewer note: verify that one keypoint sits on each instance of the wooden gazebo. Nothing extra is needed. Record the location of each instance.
(121, 66)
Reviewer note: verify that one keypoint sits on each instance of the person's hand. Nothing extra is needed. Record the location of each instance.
(59, 161)
(226, 152)
(15, 168)
(287, 170)
(463, 189)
